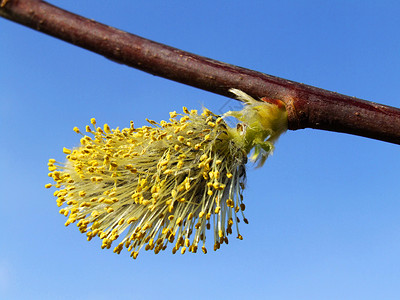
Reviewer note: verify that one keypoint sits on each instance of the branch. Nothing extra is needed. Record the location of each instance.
(308, 107)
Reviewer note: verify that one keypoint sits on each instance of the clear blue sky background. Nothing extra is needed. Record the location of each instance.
(324, 211)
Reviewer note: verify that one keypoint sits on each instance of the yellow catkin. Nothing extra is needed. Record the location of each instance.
(149, 186)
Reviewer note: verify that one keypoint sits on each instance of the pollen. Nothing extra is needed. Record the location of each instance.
(170, 182)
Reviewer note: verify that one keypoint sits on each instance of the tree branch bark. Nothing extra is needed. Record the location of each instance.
(308, 107)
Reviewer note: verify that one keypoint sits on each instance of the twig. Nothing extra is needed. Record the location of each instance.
(308, 107)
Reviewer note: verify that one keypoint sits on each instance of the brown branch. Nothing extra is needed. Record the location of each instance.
(308, 107)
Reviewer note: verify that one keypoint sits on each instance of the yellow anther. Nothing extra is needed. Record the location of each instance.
(204, 249)
(131, 220)
(94, 163)
(190, 216)
(49, 185)
(217, 209)
(240, 237)
(203, 157)
(229, 175)
(151, 122)
(163, 163)
(96, 179)
(118, 248)
(76, 129)
(107, 128)
(180, 164)
(187, 242)
(82, 193)
(52, 160)
(230, 203)
(109, 210)
(221, 187)
(183, 250)
(211, 124)
(66, 151)
(171, 217)
(173, 114)
(93, 121)
(146, 226)
(206, 112)
(71, 202)
(181, 139)
(179, 221)
(185, 110)
(201, 214)
(184, 119)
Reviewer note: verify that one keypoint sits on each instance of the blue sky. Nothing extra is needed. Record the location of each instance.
(324, 211)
